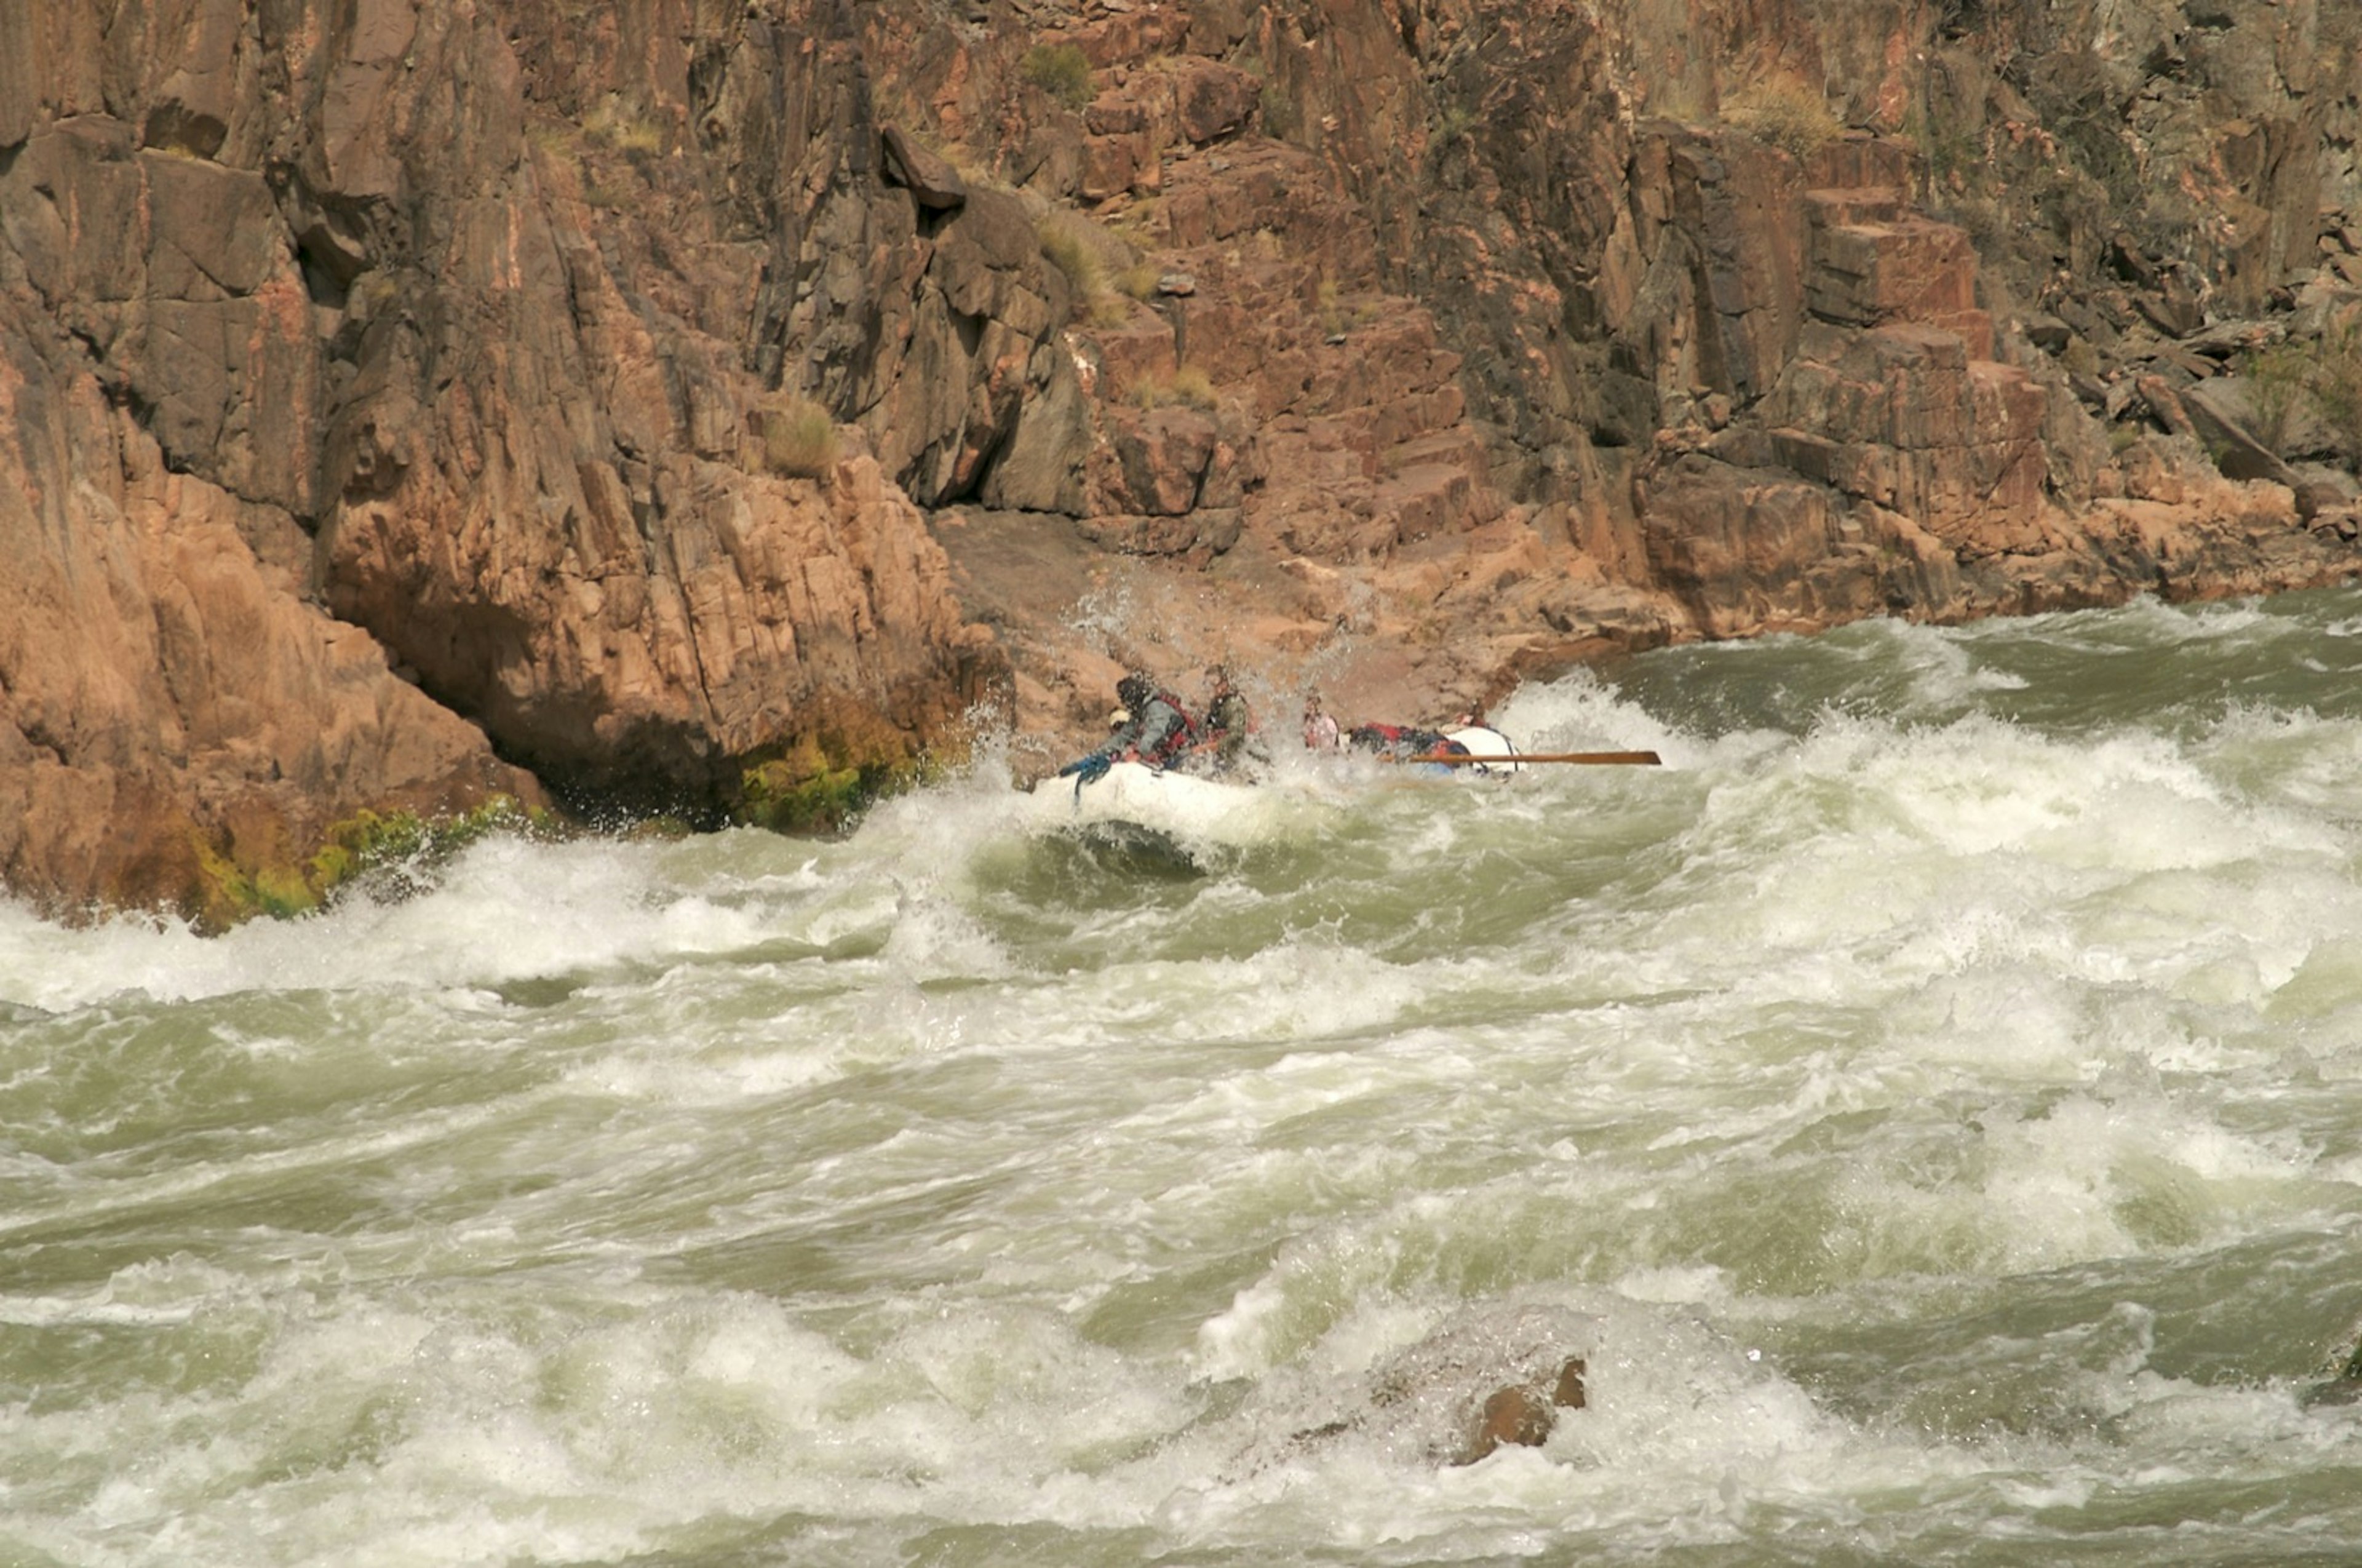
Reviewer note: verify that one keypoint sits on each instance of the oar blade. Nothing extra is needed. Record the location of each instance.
(1593, 758)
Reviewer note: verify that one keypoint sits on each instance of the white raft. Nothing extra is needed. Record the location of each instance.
(1192, 809)
(1185, 808)
(1484, 742)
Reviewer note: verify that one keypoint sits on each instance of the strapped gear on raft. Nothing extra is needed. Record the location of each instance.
(1399, 742)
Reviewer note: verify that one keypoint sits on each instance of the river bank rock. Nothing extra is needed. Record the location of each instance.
(436, 305)
(181, 725)
(663, 390)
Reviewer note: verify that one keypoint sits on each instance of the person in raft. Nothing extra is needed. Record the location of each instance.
(1150, 726)
(1320, 725)
(1229, 724)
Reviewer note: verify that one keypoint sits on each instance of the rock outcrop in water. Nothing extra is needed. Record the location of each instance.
(1523, 1415)
(1498, 1378)
(709, 408)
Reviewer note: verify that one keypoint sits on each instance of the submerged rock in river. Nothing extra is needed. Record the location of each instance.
(1502, 1376)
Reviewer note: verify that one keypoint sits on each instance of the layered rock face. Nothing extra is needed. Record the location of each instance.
(712, 408)
(388, 421)
(1752, 317)
(174, 707)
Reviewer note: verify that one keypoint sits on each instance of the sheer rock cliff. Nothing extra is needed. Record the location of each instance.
(719, 409)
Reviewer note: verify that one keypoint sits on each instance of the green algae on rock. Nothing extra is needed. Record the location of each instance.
(810, 788)
(397, 850)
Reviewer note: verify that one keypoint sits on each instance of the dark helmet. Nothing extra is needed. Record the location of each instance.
(1134, 691)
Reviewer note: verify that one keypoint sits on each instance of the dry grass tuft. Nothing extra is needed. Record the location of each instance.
(615, 126)
(798, 438)
(1069, 249)
(1188, 385)
(1787, 114)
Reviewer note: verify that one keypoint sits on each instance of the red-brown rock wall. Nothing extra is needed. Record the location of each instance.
(1404, 345)
(442, 289)
(167, 693)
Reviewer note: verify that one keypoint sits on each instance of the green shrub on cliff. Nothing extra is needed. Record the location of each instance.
(2081, 106)
(1281, 118)
(1059, 69)
(2335, 383)
(2322, 376)
(2277, 379)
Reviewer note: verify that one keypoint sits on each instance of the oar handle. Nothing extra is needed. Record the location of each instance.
(1462, 759)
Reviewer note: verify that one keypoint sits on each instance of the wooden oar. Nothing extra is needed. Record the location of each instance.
(1451, 759)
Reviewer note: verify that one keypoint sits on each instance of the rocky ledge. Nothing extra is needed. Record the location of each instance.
(719, 410)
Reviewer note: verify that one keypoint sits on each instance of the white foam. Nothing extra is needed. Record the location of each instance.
(628, 1200)
(1579, 713)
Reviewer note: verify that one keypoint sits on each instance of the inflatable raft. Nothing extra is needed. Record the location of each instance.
(1196, 809)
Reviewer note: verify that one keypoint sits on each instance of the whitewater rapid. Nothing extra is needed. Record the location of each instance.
(1931, 1102)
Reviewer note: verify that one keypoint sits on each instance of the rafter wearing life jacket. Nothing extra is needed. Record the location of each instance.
(1161, 731)
(1152, 727)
